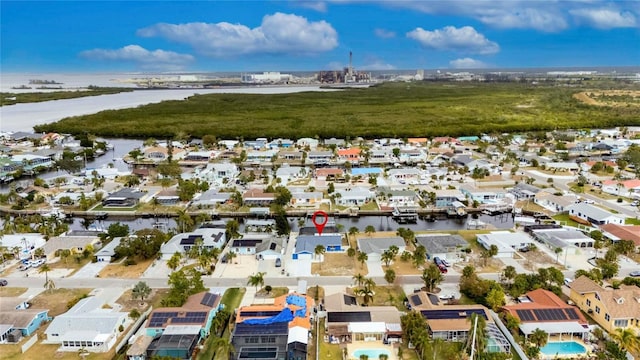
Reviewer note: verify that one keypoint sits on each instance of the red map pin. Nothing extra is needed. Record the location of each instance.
(320, 225)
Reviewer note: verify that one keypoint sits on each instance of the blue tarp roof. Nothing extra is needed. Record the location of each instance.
(285, 316)
(365, 171)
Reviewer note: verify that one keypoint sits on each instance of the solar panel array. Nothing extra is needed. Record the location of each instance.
(259, 313)
(572, 314)
(415, 299)
(349, 316)
(160, 318)
(190, 240)
(209, 299)
(452, 314)
(193, 317)
(275, 328)
(548, 314)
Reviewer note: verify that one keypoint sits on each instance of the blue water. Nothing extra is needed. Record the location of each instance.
(374, 354)
(563, 348)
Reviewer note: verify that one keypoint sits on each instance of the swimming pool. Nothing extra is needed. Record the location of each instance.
(373, 354)
(563, 348)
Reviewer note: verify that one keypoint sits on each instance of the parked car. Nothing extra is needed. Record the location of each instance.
(438, 261)
(25, 266)
(446, 296)
(635, 273)
(445, 262)
(278, 262)
(3, 282)
(568, 282)
(635, 203)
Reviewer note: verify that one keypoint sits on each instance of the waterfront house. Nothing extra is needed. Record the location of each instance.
(76, 244)
(108, 252)
(306, 198)
(307, 142)
(306, 244)
(183, 242)
(217, 173)
(329, 174)
(354, 196)
(507, 242)
(125, 197)
(524, 191)
(161, 153)
(257, 197)
(483, 195)
(261, 156)
(374, 247)
(610, 308)
(211, 198)
(446, 198)
(554, 203)
(444, 246)
(334, 142)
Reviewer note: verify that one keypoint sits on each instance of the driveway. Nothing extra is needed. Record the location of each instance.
(375, 268)
(91, 270)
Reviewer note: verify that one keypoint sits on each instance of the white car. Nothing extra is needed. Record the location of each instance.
(446, 296)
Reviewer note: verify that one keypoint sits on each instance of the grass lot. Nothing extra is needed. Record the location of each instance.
(566, 219)
(231, 300)
(7, 291)
(371, 205)
(70, 263)
(56, 300)
(126, 272)
(275, 292)
(632, 221)
(389, 296)
(156, 297)
(389, 109)
(339, 264)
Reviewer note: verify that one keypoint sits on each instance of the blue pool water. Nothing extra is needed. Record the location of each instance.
(374, 354)
(563, 348)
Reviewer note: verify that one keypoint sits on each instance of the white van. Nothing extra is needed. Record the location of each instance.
(567, 282)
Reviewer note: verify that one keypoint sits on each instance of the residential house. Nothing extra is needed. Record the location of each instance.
(320, 156)
(248, 243)
(161, 153)
(375, 247)
(555, 203)
(616, 232)
(276, 331)
(523, 191)
(108, 252)
(444, 246)
(507, 242)
(409, 156)
(23, 245)
(329, 174)
(544, 310)
(589, 214)
(211, 198)
(290, 155)
(306, 198)
(198, 157)
(452, 322)
(334, 142)
(446, 198)
(306, 244)
(281, 143)
(76, 244)
(288, 173)
(402, 197)
(257, 197)
(568, 240)
(183, 242)
(307, 142)
(17, 316)
(86, 325)
(628, 188)
(347, 321)
(354, 196)
(350, 154)
(270, 249)
(261, 156)
(217, 173)
(610, 308)
(176, 331)
(405, 175)
(124, 197)
(483, 195)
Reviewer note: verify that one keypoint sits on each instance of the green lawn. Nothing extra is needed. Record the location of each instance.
(632, 221)
(565, 218)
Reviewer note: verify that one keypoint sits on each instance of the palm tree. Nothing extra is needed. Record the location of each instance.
(174, 262)
(319, 251)
(626, 338)
(83, 353)
(351, 252)
(539, 337)
(45, 268)
(558, 251)
(256, 280)
(353, 231)
(140, 290)
(369, 230)
(479, 341)
(362, 257)
(431, 276)
(387, 257)
(390, 276)
(223, 347)
(231, 255)
(359, 279)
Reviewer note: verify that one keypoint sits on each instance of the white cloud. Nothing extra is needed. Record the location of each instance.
(605, 18)
(319, 6)
(279, 33)
(467, 63)
(377, 65)
(465, 39)
(156, 59)
(384, 34)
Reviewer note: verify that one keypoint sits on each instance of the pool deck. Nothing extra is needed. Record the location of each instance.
(371, 345)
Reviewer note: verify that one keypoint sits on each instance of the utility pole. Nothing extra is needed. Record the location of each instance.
(473, 339)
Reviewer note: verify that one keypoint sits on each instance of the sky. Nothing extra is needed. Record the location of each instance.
(211, 36)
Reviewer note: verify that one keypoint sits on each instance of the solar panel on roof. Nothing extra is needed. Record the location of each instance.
(196, 313)
(209, 299)
(451, 314)
(275, 328)
(259, 313)
(415, 299)
(572, 314)
(349, 316)
(525, 315)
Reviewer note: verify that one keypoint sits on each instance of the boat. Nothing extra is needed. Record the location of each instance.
(21, 87)
(405, 214)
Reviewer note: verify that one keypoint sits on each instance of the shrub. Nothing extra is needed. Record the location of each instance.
(129, 262)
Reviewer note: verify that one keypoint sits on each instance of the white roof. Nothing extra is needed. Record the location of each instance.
(297, 334)
(182, 330)
(367, 327)
(86, 316)
(553, 327)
